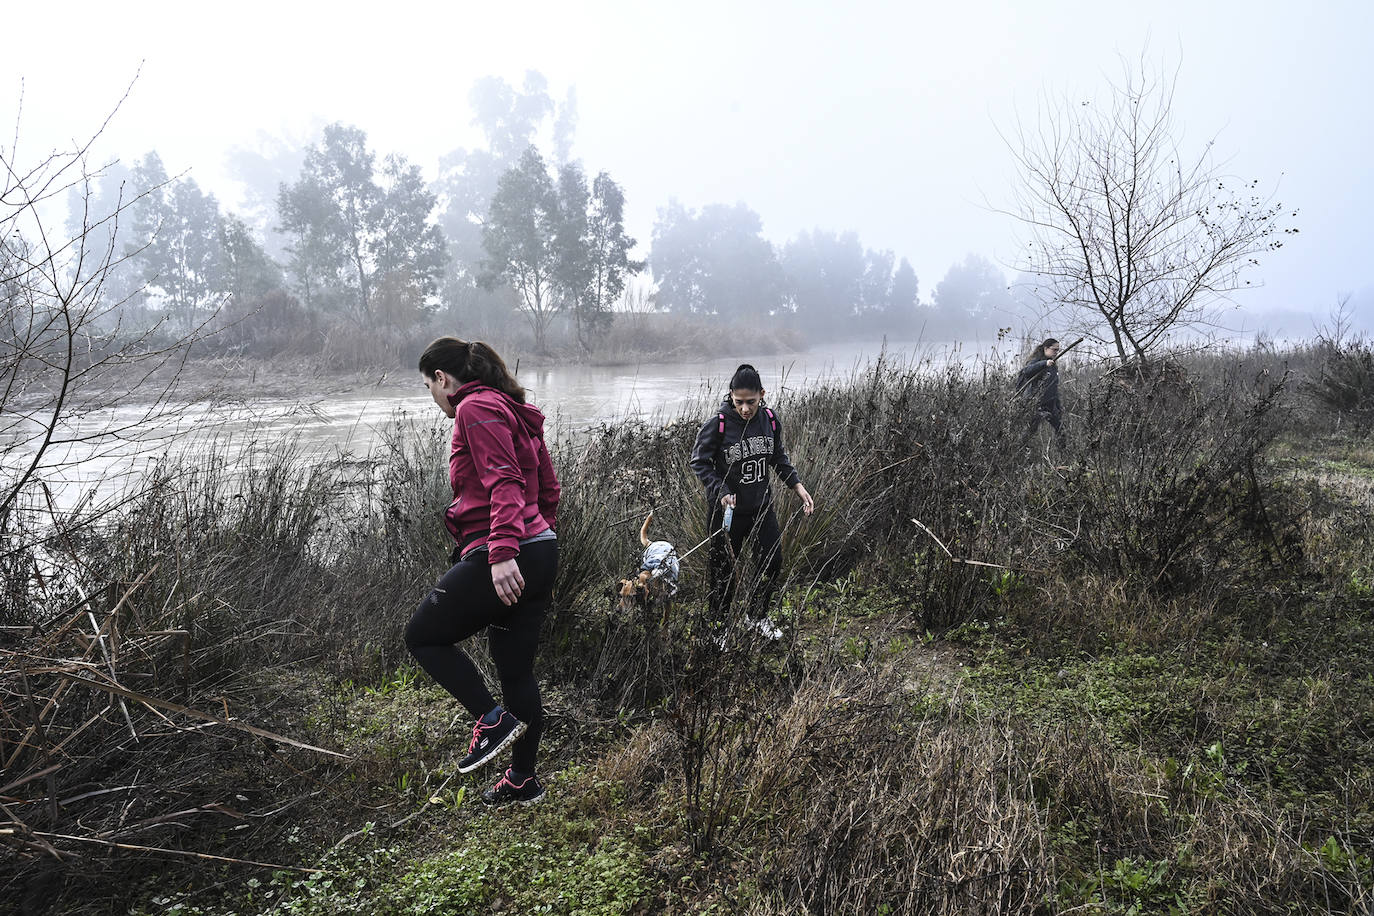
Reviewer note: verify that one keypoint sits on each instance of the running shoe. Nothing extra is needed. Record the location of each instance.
(527, 791)
(490, 740)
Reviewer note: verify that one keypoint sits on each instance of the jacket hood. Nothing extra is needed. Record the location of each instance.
(531, 417)
(727, 407)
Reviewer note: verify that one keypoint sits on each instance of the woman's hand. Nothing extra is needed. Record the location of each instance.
(727, 500)
(508, 581)
(808, 504)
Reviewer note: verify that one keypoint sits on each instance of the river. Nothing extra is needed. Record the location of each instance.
(96, 467)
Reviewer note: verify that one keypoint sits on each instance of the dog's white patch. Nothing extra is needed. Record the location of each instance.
(660, 558)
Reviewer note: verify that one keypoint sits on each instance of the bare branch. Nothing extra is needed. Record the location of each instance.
(1137, 238)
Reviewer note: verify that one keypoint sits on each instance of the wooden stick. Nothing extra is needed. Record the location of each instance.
(204, 856)
(921, 525)
(30, 778)
(187, 711)
(1061, 355)
(952, 557)
(14, 819)
(99, 630)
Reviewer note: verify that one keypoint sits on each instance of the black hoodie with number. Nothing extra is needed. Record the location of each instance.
(732, 456)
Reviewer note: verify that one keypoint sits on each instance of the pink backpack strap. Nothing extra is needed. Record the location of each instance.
(772, 420)
(721, 415)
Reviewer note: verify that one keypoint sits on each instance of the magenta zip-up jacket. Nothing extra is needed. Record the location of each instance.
(504, 486)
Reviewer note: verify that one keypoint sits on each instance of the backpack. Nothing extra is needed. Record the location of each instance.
(772, 421)
(1027, 383)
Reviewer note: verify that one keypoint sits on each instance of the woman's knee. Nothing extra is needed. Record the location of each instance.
(417, 628)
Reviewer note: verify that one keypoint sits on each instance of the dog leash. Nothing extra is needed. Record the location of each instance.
(683, 556)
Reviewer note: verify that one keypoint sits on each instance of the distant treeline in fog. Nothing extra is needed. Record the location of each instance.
(343, 252)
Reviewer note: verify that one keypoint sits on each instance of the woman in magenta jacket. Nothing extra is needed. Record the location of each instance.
(505, 499)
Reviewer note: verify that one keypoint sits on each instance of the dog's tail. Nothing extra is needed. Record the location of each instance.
(644, 529)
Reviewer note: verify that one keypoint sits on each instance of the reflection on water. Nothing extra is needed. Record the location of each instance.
(353, 422)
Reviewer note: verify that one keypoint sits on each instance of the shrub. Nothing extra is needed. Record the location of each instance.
(1344, 382)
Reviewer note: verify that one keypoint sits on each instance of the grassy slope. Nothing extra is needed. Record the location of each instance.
(1149, 777)
(929, 738)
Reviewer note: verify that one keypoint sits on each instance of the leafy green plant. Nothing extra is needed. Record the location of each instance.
(1339, 859)
(1131, 887)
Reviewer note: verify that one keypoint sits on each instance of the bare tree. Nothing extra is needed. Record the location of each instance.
(1125, 229)
(68, 355)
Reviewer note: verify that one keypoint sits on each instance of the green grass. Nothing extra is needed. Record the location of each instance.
(504, 862)
(1146, 711)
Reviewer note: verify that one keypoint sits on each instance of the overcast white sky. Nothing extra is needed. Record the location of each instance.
(877, 117)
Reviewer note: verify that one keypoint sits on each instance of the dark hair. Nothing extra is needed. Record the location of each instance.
(746, 377)
(1040, 350)
(467, 362)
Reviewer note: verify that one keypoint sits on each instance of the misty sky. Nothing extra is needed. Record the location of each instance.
(882, 118)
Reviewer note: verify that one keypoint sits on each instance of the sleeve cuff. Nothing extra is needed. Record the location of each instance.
(501, 551)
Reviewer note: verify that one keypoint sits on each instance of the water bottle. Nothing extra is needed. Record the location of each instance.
(729, 517)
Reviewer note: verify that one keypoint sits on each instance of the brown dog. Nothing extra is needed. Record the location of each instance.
(656, 580)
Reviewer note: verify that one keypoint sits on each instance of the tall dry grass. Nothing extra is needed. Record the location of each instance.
(846, 787)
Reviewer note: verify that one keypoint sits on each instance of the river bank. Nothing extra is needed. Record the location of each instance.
(254, 406)
(1147, 693)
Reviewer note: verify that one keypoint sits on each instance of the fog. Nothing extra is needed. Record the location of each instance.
(884, 120)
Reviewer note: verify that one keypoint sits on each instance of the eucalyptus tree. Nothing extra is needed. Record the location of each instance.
(889, 302)
(314, 260)
(329, 211)
(904, 293)
(510, 120)
(410, 251)
(825, 279)
(247, 272)
(520, 238)
(181, 256)
(572, 249)
(349, 232)
(715, 262)
(593, 251)
(609, 264)
(875, 288)
(973, 290)
(177, 243)
(561, 245)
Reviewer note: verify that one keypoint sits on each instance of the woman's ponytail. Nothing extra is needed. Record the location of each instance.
(467, 362)
(486, 364)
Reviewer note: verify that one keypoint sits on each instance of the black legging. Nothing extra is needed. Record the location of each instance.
(1052, 414)
(767, 554)
(461, 605)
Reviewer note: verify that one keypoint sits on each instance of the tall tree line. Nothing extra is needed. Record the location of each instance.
(716, 262)
(502, 234)
(363, 242)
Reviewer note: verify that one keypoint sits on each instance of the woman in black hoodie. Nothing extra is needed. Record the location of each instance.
(733, 453)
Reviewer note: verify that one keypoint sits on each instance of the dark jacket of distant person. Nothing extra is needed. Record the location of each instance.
(1038, 381)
